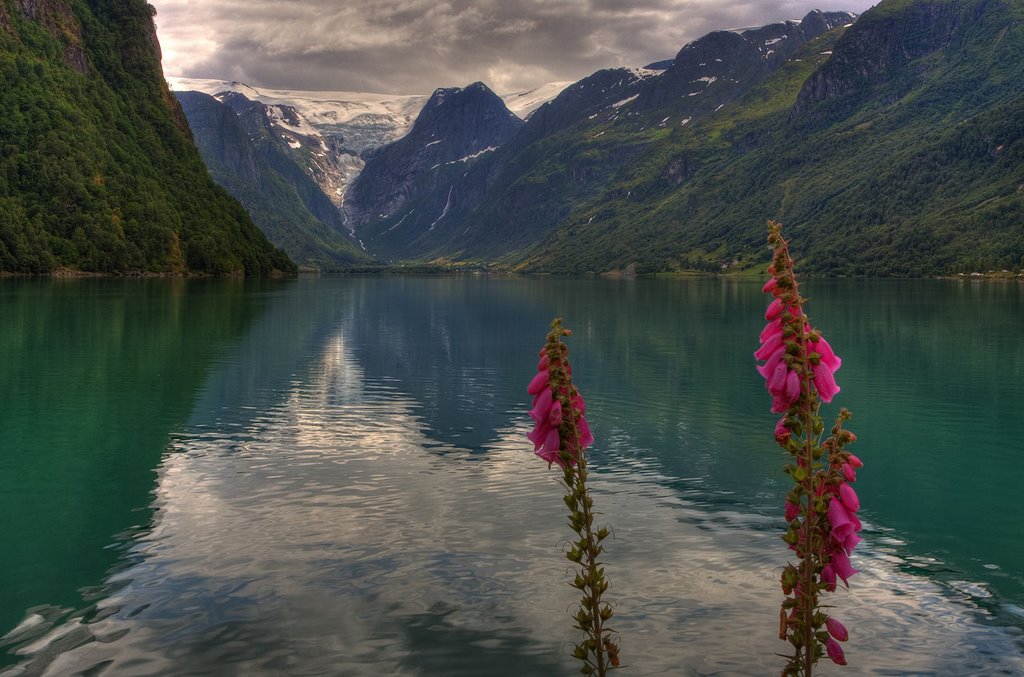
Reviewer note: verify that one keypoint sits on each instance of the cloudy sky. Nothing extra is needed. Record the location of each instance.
(415, 46)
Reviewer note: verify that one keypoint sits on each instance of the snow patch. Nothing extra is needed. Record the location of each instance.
(447, 206)
(432, 143)
(620, 104)
(294, 145)
(277, 116)
(644, 73)
(684, 121)
(400, 222)
(523, 104)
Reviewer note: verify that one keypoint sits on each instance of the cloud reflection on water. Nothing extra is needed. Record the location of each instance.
(319, 536)
(320, 516)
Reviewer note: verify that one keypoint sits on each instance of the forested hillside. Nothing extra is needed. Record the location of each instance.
(893, 147)
(98, 171)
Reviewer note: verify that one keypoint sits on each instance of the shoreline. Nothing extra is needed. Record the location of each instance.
(437, 270)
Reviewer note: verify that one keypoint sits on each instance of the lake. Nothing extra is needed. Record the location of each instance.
(331, 476)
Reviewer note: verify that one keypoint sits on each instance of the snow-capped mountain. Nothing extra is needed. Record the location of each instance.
(344, 126)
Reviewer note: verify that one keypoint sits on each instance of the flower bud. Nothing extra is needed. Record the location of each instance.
(837, 629)
(835, 652)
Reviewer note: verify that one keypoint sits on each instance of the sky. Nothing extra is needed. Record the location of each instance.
(416, 46)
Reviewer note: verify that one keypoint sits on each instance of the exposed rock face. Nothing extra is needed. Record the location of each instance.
(217, 132)
(248, 158)
(286, 145)
(873, 50)
(455, 127)
(58, 19)
(721, 66)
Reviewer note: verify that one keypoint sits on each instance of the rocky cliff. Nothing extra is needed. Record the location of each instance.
(455, 128)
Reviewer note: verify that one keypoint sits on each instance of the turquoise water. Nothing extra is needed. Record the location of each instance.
(330, 476)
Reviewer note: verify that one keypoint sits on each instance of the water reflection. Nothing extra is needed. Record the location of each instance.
(352, 496)
(96, 374)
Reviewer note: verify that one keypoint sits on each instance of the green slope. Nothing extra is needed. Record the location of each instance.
(97, 168)
(901, 153)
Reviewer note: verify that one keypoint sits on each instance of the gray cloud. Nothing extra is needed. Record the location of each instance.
(415, 46)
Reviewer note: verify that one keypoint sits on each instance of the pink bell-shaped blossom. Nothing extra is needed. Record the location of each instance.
(555, 414)
(539, 434)
(839, 518)
(824, 382)
(849, 497)
(792, 511)
(835, 652)
(841, 565)
(836, 629)
(768, 347)
(780, 404)
(777, 384)
(828, 577)
(768, 368)
(770, 329)
(542, 405)
(854, 461)
(550, 451)
(539, 382)
(792, 386)
(828, 358)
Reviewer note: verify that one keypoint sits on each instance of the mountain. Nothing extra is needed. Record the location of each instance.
(438, 218)
(889, 144)
(893, 147)
(98, 171)
(574, 144)
(348, 124)
(248, 158)
(456, 127)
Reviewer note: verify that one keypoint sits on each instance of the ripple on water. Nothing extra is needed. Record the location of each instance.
(335, 534)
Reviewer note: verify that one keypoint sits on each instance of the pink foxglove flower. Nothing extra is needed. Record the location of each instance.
(557, 437)
(799, 373)
(560, 436)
